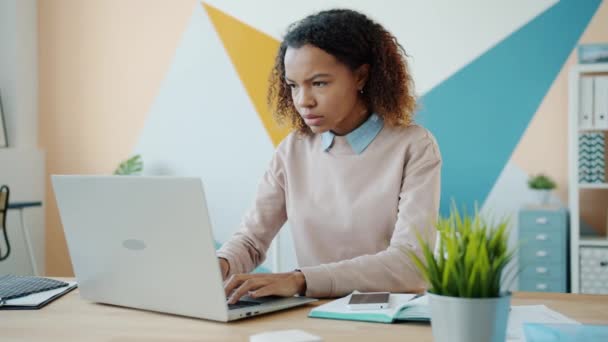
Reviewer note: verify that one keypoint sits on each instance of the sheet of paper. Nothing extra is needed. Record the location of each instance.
(37, 298)
(532, 314)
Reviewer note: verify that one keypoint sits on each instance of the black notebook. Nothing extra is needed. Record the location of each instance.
(27, 292)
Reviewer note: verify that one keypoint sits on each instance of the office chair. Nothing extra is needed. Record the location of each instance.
(4, 195)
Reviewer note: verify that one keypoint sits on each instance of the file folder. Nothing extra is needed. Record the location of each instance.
(600, 101)
(585, 114)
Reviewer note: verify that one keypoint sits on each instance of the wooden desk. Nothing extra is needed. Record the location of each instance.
(71, 319)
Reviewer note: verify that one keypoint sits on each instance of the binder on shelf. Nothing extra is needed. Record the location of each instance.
(584, 158)
(600, 101)
(591, 161)
(585, 113)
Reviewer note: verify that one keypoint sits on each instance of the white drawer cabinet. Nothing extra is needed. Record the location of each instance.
(594, 270)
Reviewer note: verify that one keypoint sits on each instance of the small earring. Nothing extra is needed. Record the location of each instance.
(361, 91)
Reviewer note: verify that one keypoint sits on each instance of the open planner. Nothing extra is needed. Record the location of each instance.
(402, 307)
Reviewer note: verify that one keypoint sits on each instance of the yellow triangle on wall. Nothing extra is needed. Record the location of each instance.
(252, 52)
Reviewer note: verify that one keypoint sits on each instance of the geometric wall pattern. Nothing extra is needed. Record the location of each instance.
(209, 119)
(480, 113)
(252, 53)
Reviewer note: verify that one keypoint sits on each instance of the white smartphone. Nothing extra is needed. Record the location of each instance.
(369, 301)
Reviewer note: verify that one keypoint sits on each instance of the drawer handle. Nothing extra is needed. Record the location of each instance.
(541, 237)
(603, 263)
(541, 270)
(541, 254)
(542, 220)
(541, 286)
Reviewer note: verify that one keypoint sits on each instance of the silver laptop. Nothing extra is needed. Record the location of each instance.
(147, 243)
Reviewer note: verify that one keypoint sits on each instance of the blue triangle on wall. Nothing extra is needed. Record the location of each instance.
(479, 114)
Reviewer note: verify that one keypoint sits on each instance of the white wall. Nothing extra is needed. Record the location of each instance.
(22, 164)
(8, 43)
(441, 36)
(19, 70)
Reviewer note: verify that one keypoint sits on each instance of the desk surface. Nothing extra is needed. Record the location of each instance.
(71, 319)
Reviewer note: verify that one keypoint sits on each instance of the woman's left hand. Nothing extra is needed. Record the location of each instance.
(261, 285)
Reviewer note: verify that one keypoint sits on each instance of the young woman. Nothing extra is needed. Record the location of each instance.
(356, 178)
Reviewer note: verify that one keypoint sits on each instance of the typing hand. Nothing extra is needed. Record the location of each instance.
(261, 285)
(224, 267)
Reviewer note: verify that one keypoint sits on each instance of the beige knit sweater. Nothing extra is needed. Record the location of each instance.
(352, 215)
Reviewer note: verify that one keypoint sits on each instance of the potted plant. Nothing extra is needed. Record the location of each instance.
(131, 166)
(465, 277)
(542, 185)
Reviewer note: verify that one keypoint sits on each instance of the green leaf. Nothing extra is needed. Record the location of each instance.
(131, 166)
(420, 265)
(541, 182)
(471, 256)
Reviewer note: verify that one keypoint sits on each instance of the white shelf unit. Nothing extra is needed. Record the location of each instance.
(574, 186)
(593, 185)
(593, 242)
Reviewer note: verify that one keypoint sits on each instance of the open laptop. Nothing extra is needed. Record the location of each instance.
(147, 243)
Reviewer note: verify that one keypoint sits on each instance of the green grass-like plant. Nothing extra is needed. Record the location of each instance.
(131, 166)
(470, 259)
(541, 182)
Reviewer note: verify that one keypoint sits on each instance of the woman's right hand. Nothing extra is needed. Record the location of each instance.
(224, 267)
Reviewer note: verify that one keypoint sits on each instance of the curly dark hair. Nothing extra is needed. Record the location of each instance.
(353, 39)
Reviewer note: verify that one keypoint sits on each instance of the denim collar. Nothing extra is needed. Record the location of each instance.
(358, 139)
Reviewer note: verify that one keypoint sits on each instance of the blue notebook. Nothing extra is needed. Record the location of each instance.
(402, 307)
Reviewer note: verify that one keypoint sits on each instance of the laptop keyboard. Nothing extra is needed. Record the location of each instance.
(242, 304)
(12, 286)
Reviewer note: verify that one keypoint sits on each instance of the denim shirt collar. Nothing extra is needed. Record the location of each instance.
(358, 139)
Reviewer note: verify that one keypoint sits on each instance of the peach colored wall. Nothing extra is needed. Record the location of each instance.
(101, 64)
(544, 145)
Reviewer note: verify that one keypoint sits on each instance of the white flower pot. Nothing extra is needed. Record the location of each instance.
(543, 196)
(456, 319)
